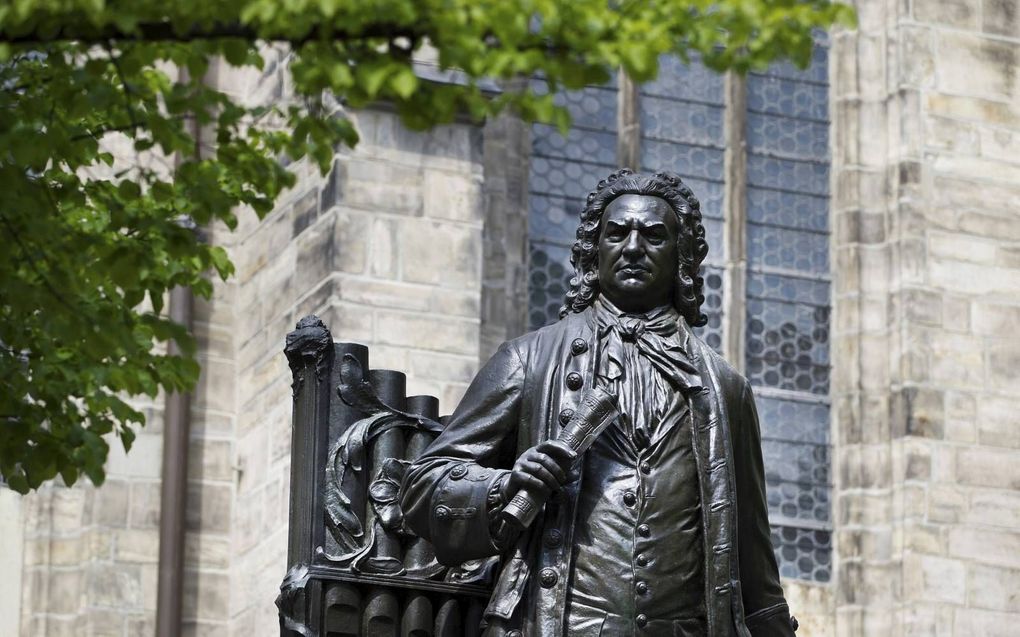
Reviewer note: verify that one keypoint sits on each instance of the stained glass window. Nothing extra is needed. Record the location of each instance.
(563, 171)
(682, 114)
(787, 305)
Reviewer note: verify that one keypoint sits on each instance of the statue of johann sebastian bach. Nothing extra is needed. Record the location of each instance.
(612, 459)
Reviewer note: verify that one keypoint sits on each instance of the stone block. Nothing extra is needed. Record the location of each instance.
(988, 466)
(955, 246)
(975, 108)
(384, 248)
(350, 323)
(141, 626)
(946, 503)
(137, 545)
(1004, 367)
(383, 186)
(970, 65)
(997, 421)
(350, 241)
(209, 507)
(935, 579)
(144, 507)
(450, 335)
(118, 585)
(452, 196)
(443, 367)
(922, 306)
(916, 53)
(110, 505)
(961, 15)
(944, 133)
(215, 389)
(207, 551)
(988, 546)
(1009, 257)
(386, 294)
(205, 596)
(445, 254)
(1000, 17)
(65, 593)
(975, 279)
(971, 621)
(993, 587)
(315, 249)
(994, 507)
(210, 459)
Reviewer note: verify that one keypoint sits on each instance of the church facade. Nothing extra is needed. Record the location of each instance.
(863, 217)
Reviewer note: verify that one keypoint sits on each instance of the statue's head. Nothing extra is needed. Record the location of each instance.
(640, 243)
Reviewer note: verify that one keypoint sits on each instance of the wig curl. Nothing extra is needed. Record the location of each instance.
(688, 292)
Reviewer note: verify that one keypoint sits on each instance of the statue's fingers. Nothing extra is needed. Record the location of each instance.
(559, 451)
(539, 471)
(521, 478)
(554, 468)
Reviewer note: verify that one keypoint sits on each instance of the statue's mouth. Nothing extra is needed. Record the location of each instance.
(633, 269)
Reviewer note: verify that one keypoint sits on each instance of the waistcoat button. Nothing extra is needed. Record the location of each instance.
(514, 633)
(646, 468)
(629, 498)
(643, 530)
(553, 538)
(641, 559)
(641, 588)
(574, 381)
(578, 346)
(458, 472)
(641, 620)
(565, 416)
(442, 512)
(548, 577)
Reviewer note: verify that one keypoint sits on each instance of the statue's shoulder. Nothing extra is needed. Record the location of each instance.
(730, 380)
(548, 340)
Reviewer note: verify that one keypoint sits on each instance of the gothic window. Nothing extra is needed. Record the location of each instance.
(786, 330)
(681, 121)
(563, 171)
(772, 244)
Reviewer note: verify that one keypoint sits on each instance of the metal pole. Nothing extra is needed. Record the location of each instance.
(173, 489)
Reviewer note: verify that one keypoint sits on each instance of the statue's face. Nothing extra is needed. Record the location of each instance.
(638, 252)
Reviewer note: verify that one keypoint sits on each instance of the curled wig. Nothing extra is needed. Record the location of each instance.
(584, 255)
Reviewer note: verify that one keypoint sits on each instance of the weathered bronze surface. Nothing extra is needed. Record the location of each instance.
(611, 460)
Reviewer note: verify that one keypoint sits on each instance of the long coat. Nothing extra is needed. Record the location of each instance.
(520, 398)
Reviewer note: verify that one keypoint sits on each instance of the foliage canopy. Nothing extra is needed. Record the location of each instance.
(92, 241)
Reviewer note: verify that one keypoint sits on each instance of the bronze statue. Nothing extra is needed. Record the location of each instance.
(612, 459)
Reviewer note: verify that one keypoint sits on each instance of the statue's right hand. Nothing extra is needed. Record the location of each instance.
(541, 469)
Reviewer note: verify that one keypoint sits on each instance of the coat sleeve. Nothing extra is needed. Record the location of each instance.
(452, 493)
(766, 611)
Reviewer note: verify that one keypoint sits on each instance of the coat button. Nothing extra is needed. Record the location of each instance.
(548, 577)
(641, 620)
(553, 538)
(574, 381)
(641, 559)
(515, 633)
(565, 416)
(641, 588)
(578, 346)
(442, 512)
(458, 472)
(646, 468)
(643, 530)
(629, 498)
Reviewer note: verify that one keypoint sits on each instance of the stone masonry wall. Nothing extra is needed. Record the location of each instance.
(926, 244)
(387, 250)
